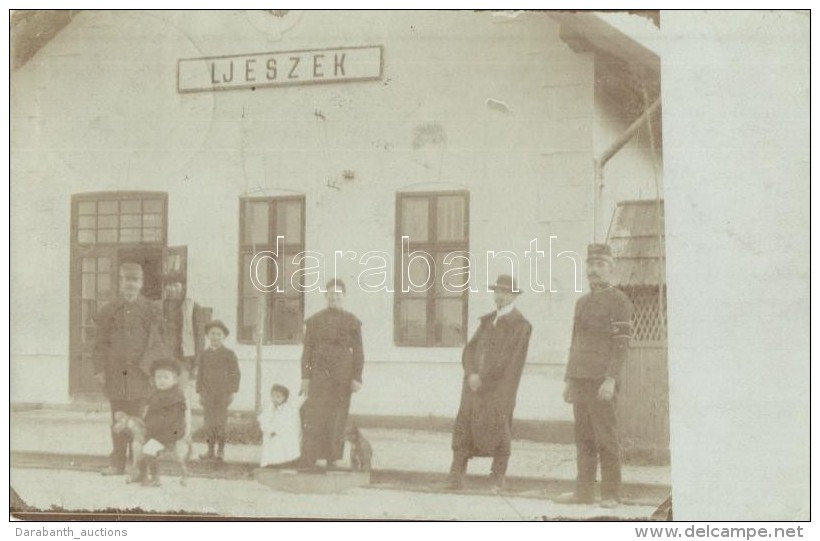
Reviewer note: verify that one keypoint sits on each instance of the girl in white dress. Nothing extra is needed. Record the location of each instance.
(281, 427)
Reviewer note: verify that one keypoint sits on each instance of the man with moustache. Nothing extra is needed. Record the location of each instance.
(600, 341)
(128, 341)
(493, 361)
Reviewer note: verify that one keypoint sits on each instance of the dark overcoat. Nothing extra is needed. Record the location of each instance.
(332, 357)
(128, 341)
(165, 416)
(218, 372)
(497, 353)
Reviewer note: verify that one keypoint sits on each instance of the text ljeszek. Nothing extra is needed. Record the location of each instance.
(376, 275)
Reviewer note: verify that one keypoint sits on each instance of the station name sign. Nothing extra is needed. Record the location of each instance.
(344, 64)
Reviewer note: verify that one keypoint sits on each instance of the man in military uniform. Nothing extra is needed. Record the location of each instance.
(128, 341)
(600, 341)
(332, 363)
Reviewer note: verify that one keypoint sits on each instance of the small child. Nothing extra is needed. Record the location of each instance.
(281, 428)
(164, 418)
(217, 381)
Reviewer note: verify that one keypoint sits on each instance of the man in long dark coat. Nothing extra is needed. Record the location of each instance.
(493, 361)
(128, 342)
(332, 364)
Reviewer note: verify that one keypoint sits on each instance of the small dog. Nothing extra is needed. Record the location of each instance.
(361, 453)
(135, 428)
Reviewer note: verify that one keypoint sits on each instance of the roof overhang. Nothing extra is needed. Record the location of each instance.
(587, 31)
(31, 29)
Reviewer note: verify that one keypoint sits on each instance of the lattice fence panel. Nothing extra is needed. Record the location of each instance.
(648, 323)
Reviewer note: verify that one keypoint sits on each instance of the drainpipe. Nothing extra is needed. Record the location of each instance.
(610, 152)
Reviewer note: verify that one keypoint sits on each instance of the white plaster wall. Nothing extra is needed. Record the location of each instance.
(97, 109)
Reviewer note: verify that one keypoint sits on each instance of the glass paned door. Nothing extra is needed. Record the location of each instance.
(108, 228)
(96, 285)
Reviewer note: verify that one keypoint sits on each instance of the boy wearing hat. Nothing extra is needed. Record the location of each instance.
(217, 381)
(600, 340)
(493, 361)
(165, 418)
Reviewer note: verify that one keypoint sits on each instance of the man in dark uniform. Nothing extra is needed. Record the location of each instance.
(332, 364)
(600, 341)
(493, 361)
(128, 341)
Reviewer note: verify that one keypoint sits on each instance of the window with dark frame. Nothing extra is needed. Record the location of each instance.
(437, 226)
(261, 221)
(100, 223)
(120, 219)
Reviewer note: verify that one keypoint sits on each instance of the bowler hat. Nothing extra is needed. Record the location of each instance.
(505, 282)
(166, 364)
(216, 323)
(599, 251)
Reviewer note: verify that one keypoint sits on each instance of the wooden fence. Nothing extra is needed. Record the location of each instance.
(643, 399)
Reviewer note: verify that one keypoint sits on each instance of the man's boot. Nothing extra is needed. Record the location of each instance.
(119, 455)
(584, 494)
(498, 475)
(610, 495)
(458, 470)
